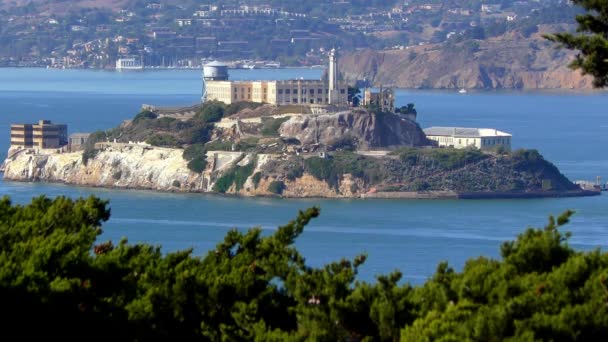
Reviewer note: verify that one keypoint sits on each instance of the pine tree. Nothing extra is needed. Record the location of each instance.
(591, 41)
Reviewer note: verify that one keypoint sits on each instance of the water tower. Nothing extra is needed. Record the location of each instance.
(214, 71)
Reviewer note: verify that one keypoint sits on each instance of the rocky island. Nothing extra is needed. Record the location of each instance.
(251, 149)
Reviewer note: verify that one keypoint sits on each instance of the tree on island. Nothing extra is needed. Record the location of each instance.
(354, 96)
(591, 41)
(56, 280)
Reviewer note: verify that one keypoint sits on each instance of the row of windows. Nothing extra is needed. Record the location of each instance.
(496, 141)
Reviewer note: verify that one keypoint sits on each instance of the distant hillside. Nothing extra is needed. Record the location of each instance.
(62, 6)
(508, 61)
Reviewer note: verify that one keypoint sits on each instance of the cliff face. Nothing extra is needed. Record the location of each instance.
(506, 62)
(409, 174)
(154, 168)
(118, 165)
(369, 129)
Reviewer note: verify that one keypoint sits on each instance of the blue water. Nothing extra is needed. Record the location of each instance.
(569, 128)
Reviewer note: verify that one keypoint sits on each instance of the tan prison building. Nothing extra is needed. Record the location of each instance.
(217, 86)
(462, 137)
(44, 134)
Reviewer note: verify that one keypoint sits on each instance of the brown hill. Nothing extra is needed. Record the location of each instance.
(509, 61)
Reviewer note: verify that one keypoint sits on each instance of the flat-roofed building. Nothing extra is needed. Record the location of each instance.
(463, 137)
(217, 87)
(44, 134)
(77, 140)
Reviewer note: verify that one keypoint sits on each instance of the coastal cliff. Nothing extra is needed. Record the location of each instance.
(504, 62)
(408, 173)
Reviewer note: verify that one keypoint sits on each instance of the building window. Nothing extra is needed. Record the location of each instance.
(287, 91)
(295, 100)
(342, 91)
(249, 96)
(280, 91)
(319, 91)
(312, 91)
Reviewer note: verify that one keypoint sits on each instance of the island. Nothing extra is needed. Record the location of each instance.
(252, 149)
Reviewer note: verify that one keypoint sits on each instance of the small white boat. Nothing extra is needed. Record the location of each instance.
(462, 91)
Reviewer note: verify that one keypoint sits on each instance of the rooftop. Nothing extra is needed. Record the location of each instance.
(465, 132)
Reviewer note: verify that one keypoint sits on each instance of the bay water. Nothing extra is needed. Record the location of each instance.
(569, 128)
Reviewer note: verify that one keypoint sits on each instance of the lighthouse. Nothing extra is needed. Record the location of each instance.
(333, 78)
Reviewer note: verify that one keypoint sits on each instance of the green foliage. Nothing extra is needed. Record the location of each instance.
(196, 157)
(236, 175)
(211, 111)
(56, 277)
(144, 115)
(270, 126)
(89, 151)
(276, 187)
(176, 183)
(117, 175)
(354, 96)
(591, 41)
(407, 109)
(162, 140)
(198, 164)
(236, 107)
(446, 158)
(330, 170)
(257, 177)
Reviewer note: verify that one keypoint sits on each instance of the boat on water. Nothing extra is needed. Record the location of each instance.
(462, 91)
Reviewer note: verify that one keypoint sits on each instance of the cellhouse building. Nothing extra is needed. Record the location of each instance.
(217, 86)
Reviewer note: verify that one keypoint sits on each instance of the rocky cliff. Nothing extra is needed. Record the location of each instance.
(504, 62)
(368, 130)
(406, 174)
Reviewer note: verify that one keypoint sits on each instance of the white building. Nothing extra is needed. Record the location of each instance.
(128, 63)
(461, 137)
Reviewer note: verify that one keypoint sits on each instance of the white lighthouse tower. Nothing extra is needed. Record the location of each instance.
(333, 78)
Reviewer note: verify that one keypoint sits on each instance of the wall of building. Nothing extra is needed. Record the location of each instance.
(42, 135)
(483, 143)
(274, 92)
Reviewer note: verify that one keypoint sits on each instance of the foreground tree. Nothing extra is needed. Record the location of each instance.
(55, 281)
(592, 41)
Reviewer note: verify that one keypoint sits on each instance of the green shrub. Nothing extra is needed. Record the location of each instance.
(194, 151)
(236, 175)
(257, 177)
(117, 175)
(276, 187)
(212, 111)
(198, 164)
(236, 107)
(270, 126)
(89, 151)
(218, 145)
(143, 116)
(321, 169)
(176, 183)
(162, 140)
